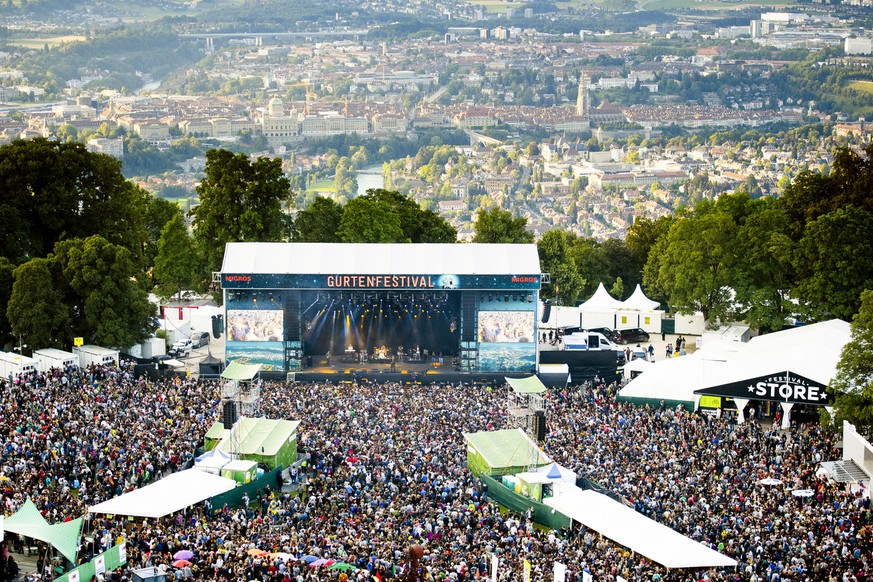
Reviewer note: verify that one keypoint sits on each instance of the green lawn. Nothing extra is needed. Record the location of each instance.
(38, 43)
(322, 186)
(865, 86)
(711, 4)
(496, 6)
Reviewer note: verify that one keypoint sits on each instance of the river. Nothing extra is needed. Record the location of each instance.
(369, 178)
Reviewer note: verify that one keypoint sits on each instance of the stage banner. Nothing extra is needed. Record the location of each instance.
(527, 571)
(560, 573)
(382, 281)
(495, 562)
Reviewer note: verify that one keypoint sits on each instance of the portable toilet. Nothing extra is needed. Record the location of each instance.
(12, 364)
(51, 358)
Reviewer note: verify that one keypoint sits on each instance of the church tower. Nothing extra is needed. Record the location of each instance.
(583, 102)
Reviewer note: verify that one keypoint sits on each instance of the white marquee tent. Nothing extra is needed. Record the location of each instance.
(635, 531)
(172, 493)
(603, 310)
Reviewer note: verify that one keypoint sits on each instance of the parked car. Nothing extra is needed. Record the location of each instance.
(181, 349)
(633, 335)
(199, 339)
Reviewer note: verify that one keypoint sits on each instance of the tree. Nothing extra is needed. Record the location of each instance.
(499, 226)
(158, 212)
(692, 265)
(51, 190)
(418, 225)
(177, 266)
(240, 200)
(369, 221)
(319, 222)
(833, 261)
(109, 306)
(6, 278)
(553, 249)
(591, 263)
(36, 309)
(852, 386)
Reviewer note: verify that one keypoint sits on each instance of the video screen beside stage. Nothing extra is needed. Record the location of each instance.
(255, 325)
(506, 326)
(271, 355)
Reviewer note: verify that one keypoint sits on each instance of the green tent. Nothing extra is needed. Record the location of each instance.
(264, 440)
(29, 522)
(240, 372)
(502, 452)
(529, 385)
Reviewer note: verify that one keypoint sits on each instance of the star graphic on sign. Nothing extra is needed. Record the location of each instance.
(751, 388)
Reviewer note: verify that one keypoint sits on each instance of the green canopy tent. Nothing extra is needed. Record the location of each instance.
(502, 452)
(529, 385)
(241, 372)
(64, 536)
(264, 440)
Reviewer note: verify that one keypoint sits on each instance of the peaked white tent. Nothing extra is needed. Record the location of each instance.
(639, 301)
(169, 495)
(635, 531)
(212, 461)
(600, 309)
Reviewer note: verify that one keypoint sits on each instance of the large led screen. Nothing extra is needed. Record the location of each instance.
(254, 325)
(506, 326)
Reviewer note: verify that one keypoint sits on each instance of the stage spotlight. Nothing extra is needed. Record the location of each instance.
(507, 298)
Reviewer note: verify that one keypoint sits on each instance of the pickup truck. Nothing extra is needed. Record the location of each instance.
(182, 348)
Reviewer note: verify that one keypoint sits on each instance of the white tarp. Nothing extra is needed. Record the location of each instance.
(635, 531)
(172, 493)
(213, 461)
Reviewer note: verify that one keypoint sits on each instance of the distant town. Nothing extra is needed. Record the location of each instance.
(585, 130)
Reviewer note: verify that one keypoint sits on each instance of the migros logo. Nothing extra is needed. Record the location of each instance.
(238, 278)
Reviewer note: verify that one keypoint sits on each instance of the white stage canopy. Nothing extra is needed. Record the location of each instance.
(172, 493)
(635, 531)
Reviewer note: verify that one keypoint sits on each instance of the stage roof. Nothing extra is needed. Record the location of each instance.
(241, 372)
(380, 259)
(635, 531)
(28, 521)
(509, 447)
(172, 493)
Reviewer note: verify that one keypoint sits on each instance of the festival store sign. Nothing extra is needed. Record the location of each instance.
(782, 387)
(380, 281)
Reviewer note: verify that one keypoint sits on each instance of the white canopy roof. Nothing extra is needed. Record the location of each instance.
(639, 301)
(811, 351)
(635, 531)
(172, 493)
(379, 259)
(601, 301)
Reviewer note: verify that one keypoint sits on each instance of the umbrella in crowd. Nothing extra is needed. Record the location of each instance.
(181, 563)
(769, 481)
(342, 566)
(803, 492)
(256, 552)
(183, 555)
(308, 559)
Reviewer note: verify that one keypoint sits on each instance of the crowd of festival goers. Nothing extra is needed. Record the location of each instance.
(384, 468)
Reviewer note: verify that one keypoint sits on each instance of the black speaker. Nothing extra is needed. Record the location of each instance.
(217, 325)
(229, 414)
(547, 310)
(539, 421)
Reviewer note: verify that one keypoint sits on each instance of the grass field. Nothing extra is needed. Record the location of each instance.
(496, 6)
(864, 86)
(38, 43)
(322, 186)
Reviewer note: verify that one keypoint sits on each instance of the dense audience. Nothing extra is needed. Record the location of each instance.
(386, 468)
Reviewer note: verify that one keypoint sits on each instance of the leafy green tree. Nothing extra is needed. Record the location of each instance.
(51, 190)
(177, 266)
(370, 221)
(591, 263)
(109, 306)
(158, 212)
(852, 386)
(642, 236)
(36, 307)
(553, 249)
(6, 279)
(419, 225)
(319, 222)
(622, 265)
(693, 264)
(499, 226)
(240, 201)
(834, 263)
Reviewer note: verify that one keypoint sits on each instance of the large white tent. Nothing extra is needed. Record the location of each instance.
(604, 310)
(635, 531)
(803, 357)
(172, 493)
